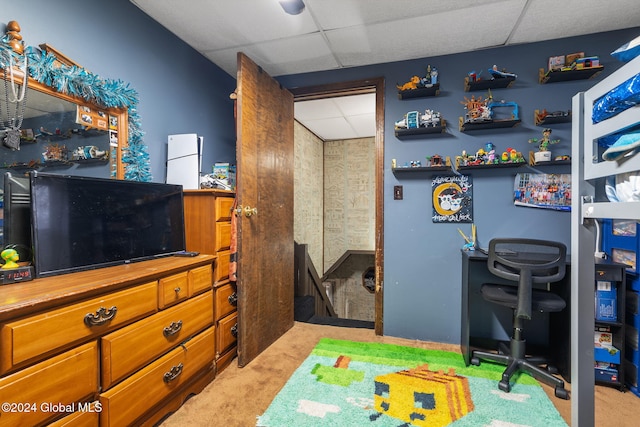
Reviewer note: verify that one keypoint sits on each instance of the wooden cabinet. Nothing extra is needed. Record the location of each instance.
(207, 216)
(105, 347)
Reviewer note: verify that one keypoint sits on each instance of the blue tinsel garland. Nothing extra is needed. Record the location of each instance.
(106, 93)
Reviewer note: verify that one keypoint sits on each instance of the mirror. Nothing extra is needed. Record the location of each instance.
(73, 119)
(60, 135)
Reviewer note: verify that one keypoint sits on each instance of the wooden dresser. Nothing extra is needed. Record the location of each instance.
(114, 346)
(208, 231)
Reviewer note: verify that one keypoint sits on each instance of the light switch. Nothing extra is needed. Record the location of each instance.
(397, 192)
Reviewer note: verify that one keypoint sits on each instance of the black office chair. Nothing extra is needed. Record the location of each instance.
(525, 261)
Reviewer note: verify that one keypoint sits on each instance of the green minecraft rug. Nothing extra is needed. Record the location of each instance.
(347, 383)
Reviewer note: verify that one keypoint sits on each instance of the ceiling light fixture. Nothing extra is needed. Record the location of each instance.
(292, 7)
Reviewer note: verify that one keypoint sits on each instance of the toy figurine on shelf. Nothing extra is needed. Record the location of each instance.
(54, 153)
(490, 153)
(477, 109)
(415, 82)
(545, 141)
(415, 120)
(500, 74)
(511, 155)
(543, 154)
(410, 85)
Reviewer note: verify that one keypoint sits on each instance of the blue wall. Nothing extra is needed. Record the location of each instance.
(180, 91)
(422, 274)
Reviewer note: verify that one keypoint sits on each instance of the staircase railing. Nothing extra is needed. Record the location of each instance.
(308, 282)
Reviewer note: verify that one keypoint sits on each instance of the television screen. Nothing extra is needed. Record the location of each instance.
(81, 223)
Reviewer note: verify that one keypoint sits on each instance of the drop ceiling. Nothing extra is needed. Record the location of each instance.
(335, 34)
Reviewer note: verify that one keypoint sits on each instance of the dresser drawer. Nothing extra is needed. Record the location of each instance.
(226, 300)
(223, 236)
(35, 337)
(173, 289)
(128, 401)
(223, 208)
(62, 380)
(132, 347)
(200, 279)
(80, 419)
(221, 272)
(227, 333)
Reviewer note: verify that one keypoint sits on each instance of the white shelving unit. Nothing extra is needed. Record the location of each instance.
(588, 172)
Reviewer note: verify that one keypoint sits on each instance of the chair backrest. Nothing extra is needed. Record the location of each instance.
(527, 261)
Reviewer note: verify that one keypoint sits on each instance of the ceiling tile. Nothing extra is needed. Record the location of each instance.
(331, 129)
(316, 109)
(421, 37)
(332, 14)
(363, 124)
(209, 25)
(594, 16)
(356, 104)
(295, 55)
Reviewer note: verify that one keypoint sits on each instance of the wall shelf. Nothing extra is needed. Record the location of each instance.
(410, 170)
(421, 92)
(500, 83)
(542, 118)
(493, 124)
(555, 76)
(400, 133)
(492, 166)
(532, 161)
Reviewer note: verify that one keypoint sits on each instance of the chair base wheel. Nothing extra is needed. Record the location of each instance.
(561, 393)
(504, 386)
(475, 361)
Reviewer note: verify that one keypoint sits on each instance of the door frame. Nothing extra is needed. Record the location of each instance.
(356, 87)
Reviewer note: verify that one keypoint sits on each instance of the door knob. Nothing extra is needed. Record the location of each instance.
(247, 210)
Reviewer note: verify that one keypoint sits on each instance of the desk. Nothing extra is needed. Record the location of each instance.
(484, 323)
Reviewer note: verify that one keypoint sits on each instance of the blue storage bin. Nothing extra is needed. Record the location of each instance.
(607, 354)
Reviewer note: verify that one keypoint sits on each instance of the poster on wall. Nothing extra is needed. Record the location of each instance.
(541, 190)
(452, 198)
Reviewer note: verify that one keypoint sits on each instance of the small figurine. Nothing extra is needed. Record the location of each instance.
(545, 141)
(477, 109)
(500, 74)
(490, 153)
(10, 257)
(87, 152)
(410, 85)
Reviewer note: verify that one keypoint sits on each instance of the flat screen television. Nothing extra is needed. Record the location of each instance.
(16, 227)
(81, 223)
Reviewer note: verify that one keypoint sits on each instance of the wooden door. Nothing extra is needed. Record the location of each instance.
(264, 120)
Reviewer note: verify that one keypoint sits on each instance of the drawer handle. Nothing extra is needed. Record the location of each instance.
(173, 373)
(233, 299)
(172, 329)
(234, 330)
(177, 290)
(100, 317)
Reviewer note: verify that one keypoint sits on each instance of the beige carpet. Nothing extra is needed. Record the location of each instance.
(239, 395)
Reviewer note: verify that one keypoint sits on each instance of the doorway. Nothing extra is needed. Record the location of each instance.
(344, 89)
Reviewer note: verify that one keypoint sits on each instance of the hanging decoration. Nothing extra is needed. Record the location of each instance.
(107, 93)
(452, 198)
(16, 101)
